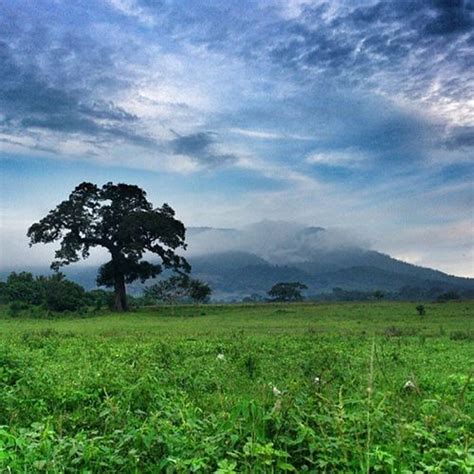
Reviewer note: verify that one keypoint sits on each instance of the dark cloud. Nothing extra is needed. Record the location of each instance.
(194, 144)
(107, 111)
(451, 17)
(200, 148)
(57, 87)
(460, 138)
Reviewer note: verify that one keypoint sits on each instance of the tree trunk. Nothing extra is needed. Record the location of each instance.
(120, 293)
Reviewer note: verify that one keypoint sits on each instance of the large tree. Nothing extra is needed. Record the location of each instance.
(120, 218)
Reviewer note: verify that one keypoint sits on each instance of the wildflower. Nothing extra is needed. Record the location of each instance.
(220, 356)
(316, 380)
(409, 385)
(276, 392)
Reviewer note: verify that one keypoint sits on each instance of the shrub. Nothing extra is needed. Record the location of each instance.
(421, 309)
(15, 308)
(64, 295)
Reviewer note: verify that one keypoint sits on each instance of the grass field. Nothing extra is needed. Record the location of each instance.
(264, 388)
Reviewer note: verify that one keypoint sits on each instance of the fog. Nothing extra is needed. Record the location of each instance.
(275, 241)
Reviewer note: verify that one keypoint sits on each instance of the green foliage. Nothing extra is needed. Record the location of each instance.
(100, 299)
(421, 309)
(199, 291)
(287, 291)
(23, 287)
(24, 291)
(171, 290)
(148, 393)
(379, 294)
(178, 288)
(62, 295)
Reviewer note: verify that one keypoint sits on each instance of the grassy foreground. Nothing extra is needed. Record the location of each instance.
(264, 388)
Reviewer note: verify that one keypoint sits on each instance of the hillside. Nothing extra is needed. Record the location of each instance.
(239, 263)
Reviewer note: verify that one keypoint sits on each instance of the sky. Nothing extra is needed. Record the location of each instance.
(351, 115)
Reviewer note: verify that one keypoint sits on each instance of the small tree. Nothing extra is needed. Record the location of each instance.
(199, 291)
(421, 310)
(290, 291)
(169, 291)
(178, 288)
(379, 294)
(119, 218)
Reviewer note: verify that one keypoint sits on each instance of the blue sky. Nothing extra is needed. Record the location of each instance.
(354, 115)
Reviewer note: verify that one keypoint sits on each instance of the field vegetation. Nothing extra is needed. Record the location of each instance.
(352, 387)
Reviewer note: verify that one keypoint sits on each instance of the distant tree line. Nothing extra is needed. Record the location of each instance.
(37, 296)
(293, 291)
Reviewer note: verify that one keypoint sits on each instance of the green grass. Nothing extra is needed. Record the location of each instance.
(147, 392)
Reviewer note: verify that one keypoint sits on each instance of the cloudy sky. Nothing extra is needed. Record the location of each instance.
(355, 115)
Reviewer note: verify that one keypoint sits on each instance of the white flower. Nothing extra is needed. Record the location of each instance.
(220, 357)
(276, 392)
(409, 385)
(316, 380)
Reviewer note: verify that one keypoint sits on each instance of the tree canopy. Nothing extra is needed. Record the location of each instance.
(53, 292)
(120, 218)
(287, 291)
(179, 288)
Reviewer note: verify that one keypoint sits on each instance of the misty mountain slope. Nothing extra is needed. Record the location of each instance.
(346, 258)
(265, 253)
(239, 262)
(366, 278)
(243, 278)
(225, 261)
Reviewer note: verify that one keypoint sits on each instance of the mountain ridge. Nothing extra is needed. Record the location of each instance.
(250, 261)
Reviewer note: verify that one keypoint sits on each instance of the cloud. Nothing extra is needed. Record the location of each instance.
(279, 242)
(344, 158)
(329, 72)
(265, 135)
(29, 100)
(200, 147)
(451, 17)
(460, 137)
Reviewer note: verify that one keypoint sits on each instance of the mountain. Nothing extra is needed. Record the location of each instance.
(241, 262)
(361, 271)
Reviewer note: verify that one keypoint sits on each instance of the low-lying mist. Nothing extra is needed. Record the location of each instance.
(275, 241)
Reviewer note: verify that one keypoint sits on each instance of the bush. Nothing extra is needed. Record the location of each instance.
(63, 295)
(15, 308)
(421, 309)
(23, 287)
(23, 291)
(100, 299)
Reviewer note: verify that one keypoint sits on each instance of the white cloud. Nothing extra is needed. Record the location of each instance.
(131, 8)
(267, 135)
(345, 158)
